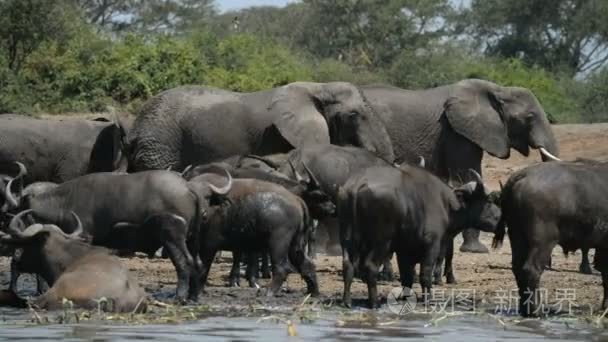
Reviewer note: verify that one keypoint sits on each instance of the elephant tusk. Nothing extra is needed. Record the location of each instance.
(548, 155)
(421, 162)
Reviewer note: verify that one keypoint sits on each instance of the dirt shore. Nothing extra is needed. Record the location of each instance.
(483, 273)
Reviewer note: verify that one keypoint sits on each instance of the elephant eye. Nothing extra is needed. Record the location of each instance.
(530, 116)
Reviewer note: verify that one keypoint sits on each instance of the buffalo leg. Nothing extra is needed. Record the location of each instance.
(427, 266)
(305, 267)
(348, 273)
(533, 269)
(519, 251)
(312, 240)
(387, 271)
(207, 256)
(15, 270)
(407, 269)
(371, 268)
(174, 231)
(265, 265)
(585, 267)
(449, 256)
(279, 251)
(235, 271)
(252, 269)
(437, 275)
(601, 264)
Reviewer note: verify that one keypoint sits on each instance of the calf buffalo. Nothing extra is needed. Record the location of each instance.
(253, 167)
(74, 269)
(258, 217)
(563, 203)
(410, 212)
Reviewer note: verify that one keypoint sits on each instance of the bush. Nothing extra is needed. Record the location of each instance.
(95, 71)
(246, 63)
(329, 70)
(594, 98)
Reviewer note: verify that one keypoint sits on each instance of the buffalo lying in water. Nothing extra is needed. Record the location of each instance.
(73, 269)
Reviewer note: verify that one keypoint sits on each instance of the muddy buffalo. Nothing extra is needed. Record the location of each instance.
(258, 217)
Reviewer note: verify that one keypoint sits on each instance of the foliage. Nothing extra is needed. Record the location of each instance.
(86, 55)
(246, 63)
(594, 104)
(95, 71)
(555, 34)
(157, 16)
(26, 24)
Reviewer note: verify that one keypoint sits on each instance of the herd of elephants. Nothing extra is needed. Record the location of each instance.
(380, 170)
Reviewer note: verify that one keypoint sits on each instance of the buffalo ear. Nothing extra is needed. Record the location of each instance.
(297, 116)
(107, 151)
(474, 111)
(458, 201)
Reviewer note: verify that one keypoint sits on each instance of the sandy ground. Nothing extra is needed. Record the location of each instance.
(483, 273)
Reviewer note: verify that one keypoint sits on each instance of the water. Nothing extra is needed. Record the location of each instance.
(332, 325)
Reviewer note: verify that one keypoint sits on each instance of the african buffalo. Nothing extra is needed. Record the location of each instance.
(74, 269)
(256, 217)
(408, 211)
(547, 204)
(132, 212)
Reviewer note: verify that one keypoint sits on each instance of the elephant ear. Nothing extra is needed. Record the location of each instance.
(298, 117)
(474, 111)
(107, 151)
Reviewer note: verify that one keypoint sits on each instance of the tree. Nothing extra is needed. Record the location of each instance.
(171, 16)
(25, 24)
(112, 14)
(555, 34)
(373, 32)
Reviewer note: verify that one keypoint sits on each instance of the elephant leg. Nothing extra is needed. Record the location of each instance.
(471, 242)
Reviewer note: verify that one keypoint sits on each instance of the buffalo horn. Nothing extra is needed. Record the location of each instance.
(299, 178)
(225, 189)
(312, 177)
(78, 231)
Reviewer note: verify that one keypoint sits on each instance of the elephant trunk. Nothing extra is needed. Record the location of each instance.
(377, 141)
(542, 136)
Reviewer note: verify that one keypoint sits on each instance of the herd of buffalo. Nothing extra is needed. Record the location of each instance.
(382, 170)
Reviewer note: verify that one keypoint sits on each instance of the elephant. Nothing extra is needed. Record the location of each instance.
(60, 150)
(450, 126)
(198, 125)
